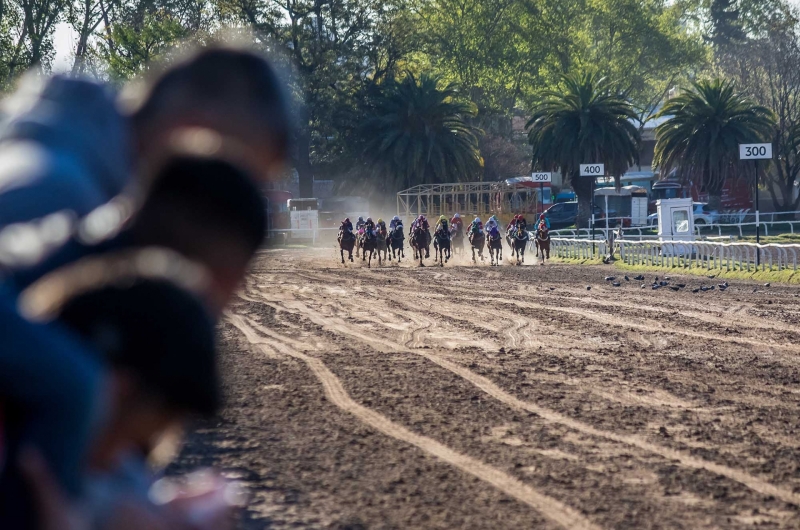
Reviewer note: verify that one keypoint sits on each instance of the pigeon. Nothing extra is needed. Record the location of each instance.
(766, 285)
(663, 284)
(674, 287)
(610, 278)
(725, 283)
(681, 285)
(588, 287)
(639, 278)
(696, 290)
(552, 288)
(627, 279)
(616, 284)
(643, 286)
(656, 280)
(667, 278)
(755, 290)
(723, 286)
(712, 288)
(656, 286)
(704, 288)
(712, 275)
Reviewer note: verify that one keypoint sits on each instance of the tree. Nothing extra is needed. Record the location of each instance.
(701, 137)
(418, 134)
(583, 121)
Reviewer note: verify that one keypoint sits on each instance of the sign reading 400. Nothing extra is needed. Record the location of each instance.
(593, 170)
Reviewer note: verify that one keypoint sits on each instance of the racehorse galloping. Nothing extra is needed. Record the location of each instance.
(518, 244)
(396, 238)
(369, 243)
(495, 245)
(477, 241)
(441, 246)
(347, 240)
(457, 239)
(382, 243)
(543, 242)
(419, 242)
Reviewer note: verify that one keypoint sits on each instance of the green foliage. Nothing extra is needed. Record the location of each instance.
(582, 122)
(132, 47)
(706, 124)
(417, 133)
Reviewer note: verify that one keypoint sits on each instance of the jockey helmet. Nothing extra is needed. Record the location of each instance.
(396, 218)
(346, 220)
(541, 216)
(476, 220)
(369, 219)
(442, 218)
(380, 221)
(360, 218)
(456, 216)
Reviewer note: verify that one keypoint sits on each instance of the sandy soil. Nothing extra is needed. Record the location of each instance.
(509, 397)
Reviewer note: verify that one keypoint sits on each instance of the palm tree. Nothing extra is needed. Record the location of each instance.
(419, 134)
(583, 121)
(701, 138)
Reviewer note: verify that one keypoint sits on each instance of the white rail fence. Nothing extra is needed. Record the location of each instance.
(699, 254)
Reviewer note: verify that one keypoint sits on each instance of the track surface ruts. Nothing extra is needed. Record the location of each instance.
(509, 397)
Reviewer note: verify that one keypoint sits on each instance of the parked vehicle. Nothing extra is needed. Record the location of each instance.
(563, 214)
(736, 194)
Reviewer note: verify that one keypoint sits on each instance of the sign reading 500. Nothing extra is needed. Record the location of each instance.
(592, 170)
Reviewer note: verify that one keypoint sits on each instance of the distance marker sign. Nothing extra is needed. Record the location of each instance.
(593, 170)
(542, 177)
(755, 151)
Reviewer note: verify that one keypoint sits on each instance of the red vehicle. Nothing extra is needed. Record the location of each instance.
(736, 193)
(277, 209)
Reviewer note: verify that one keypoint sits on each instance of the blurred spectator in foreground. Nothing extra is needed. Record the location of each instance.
(218, 103)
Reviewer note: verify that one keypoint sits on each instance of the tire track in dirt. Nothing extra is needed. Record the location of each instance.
(479, 296)
(485, 385)
(336, 394)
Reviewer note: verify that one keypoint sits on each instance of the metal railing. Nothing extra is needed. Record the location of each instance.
(574, 248)
(709, 255)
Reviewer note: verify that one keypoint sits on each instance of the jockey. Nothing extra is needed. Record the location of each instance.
(476, 227)
(545, 220)
(346, 226)
(512, 224)
(360, 223)
(442, 224)
(522, 224)
(369, 227)
(493, 231)
(394, 222)
(456, 222)
(492, 222)
(381, 226)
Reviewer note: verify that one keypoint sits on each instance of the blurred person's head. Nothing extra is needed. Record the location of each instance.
(219, 100)
(211, 212)
(158, 341)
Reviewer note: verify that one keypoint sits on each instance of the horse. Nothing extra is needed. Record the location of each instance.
(518, 244)
(457, 239)
(359, 239)
(347, 240)
(396, 238)
(543, 243)
(477, 240)
(383, 244)
(419, 241)
(441, 246)
(495, 245)
(369, 243)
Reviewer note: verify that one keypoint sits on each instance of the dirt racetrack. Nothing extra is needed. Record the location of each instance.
(491, 398)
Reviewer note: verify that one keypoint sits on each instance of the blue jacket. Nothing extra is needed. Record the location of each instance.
(66, 149)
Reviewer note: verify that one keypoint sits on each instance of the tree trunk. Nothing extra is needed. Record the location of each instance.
(582, 186)
(305, 171)
(715, 198)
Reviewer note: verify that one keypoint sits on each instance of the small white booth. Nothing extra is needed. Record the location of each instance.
(675, 223)
(628, 202)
